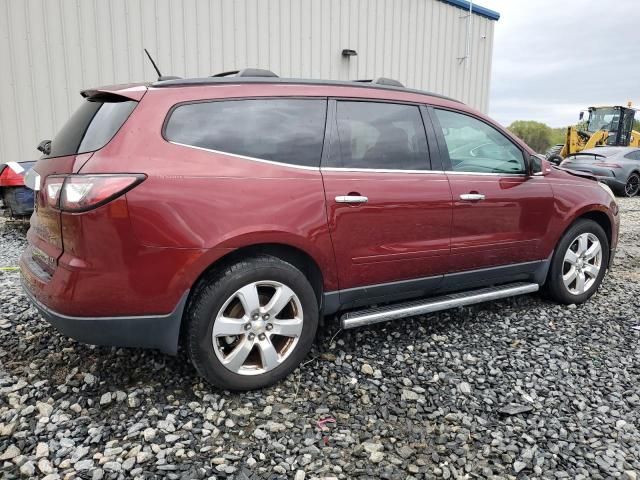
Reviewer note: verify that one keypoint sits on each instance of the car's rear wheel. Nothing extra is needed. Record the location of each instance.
(579, 263)
(252, 323)
(632, 187)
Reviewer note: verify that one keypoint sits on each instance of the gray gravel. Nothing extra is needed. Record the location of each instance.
(515, 389)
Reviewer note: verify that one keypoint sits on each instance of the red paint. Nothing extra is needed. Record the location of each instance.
(509, 226)
(139, 253)
(402, 232)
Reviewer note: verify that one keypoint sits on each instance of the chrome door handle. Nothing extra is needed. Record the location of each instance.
(472, 196)
(351, 199)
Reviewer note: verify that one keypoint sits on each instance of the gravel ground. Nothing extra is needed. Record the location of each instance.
(519, 388)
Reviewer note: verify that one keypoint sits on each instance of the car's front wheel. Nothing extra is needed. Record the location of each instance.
(579, 263)
(252, 323)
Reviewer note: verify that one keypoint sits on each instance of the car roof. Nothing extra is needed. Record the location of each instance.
(609, 151)
(213, 81)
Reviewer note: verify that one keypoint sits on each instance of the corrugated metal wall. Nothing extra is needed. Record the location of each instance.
(51, 49)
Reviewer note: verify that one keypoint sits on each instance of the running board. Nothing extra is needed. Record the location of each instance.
(395, 311)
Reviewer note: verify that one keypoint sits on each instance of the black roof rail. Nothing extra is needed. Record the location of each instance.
(247, 72)
(383, 81)
(233, 79)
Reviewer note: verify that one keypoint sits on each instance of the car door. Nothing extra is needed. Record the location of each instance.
(500, 213)
(389, 212)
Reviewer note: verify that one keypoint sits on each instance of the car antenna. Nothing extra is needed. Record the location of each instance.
(155, 67)
(153, 63)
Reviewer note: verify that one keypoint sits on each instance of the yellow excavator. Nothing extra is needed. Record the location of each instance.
(603, 126)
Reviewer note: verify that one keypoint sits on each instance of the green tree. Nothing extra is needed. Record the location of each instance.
(535, 134)
(558, 135)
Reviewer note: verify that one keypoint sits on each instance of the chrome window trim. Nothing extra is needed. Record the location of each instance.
(379, 170)
(457, 172)
(345, 169)
(243, 157)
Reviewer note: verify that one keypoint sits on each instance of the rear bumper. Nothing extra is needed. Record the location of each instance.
(152, 331)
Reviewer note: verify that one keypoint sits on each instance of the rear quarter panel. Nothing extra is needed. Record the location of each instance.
(199, 199)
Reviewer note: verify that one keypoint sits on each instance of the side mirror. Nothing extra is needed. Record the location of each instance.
(539, 166)
(581, 116)
(45, 147)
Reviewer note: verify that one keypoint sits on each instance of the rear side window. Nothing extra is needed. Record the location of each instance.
(635, 155)
(380, 136)
(91, 127)
(282, 130)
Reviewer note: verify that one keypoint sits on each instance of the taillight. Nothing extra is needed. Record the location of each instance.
(79, 193)
(9, 178)
(52, 189)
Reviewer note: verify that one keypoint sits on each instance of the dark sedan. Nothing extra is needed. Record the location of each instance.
(618, 167)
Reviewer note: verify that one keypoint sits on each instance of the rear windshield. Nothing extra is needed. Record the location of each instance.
(91, 127)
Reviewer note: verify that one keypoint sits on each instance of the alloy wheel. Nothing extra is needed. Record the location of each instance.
(257, 328)
(632, 186)
(582, 263)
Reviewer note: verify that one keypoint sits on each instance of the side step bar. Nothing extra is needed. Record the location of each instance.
(395, 311)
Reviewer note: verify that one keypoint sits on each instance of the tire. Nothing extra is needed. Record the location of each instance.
(553, 154)
(221, 304)
(632, 187)
(554, 150)
(555, 159)
(555, 287)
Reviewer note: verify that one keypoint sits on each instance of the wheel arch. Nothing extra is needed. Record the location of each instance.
(598, 216)
(553, 286)
(286, 252)
(294, 255)
(635, 170)
(601, 218)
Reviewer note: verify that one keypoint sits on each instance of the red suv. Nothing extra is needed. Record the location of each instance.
(230, 214)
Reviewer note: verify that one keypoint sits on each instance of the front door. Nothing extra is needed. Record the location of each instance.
(389, 213)
(500, 213)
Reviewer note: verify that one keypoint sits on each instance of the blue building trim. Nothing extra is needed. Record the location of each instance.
(477, 9)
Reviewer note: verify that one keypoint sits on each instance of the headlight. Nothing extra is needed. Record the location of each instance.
(608, 190)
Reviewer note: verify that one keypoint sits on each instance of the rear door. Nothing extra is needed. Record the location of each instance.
(500, 213)
(389, 211)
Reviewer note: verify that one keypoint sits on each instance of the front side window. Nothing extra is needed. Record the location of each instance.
(282, 130)
(477, 147)
(379, 136)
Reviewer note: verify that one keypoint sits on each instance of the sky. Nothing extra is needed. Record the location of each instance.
(553, 58)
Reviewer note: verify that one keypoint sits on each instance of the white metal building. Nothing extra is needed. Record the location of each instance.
(52, 49)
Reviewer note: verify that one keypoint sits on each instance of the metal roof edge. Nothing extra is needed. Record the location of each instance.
(477, 9)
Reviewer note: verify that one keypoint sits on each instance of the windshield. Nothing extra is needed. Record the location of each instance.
(603, 119)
